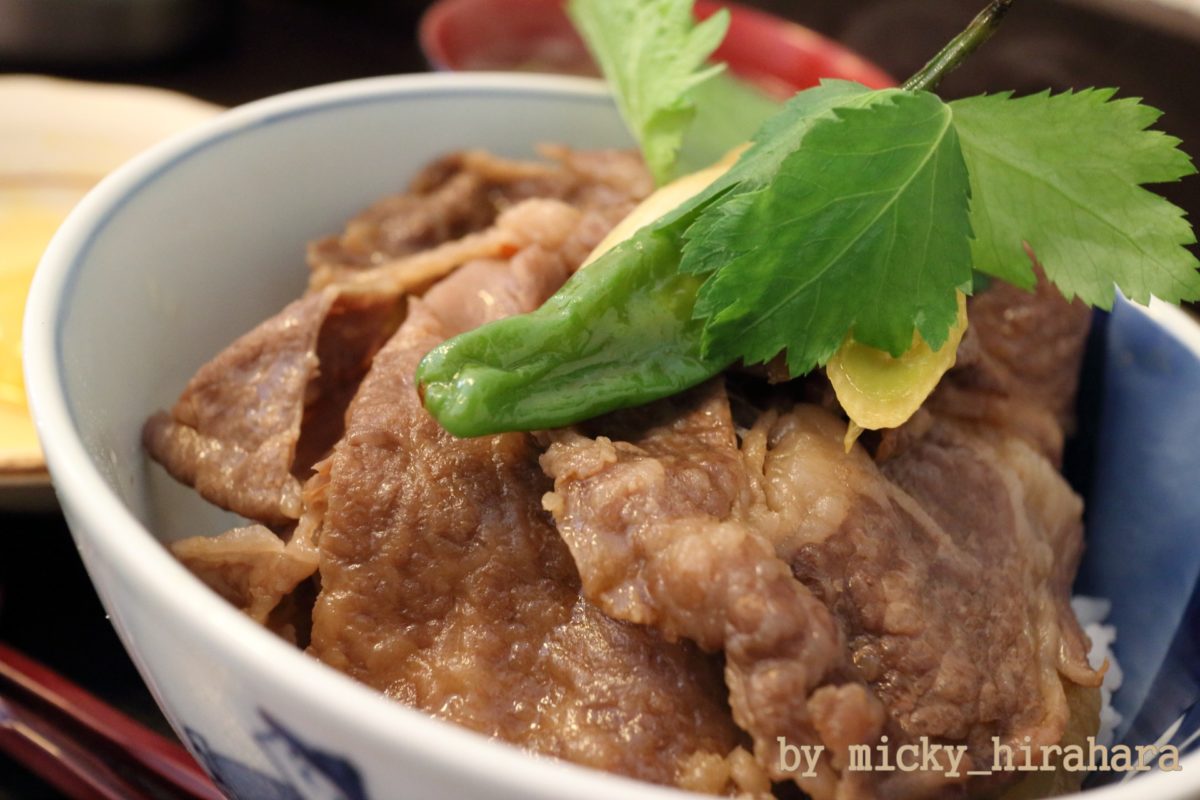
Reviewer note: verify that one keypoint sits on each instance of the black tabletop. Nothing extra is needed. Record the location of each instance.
(47, 606)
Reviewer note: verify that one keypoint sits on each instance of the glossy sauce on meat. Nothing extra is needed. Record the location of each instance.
(662, 592)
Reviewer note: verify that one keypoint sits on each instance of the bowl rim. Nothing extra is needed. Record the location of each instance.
(145, 565)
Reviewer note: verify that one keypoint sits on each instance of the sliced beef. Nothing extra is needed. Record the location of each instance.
(464, 193)
(235, 430)
(445, 585)
(256, 570)
(949, 571)
(536, 221)
(928, 597)
(250, 567)
(418, 271)
(1018, 365)
(658, 523)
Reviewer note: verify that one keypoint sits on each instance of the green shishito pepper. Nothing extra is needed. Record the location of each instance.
(619, 333)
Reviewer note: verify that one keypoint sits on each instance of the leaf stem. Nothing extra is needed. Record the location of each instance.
(960, 47)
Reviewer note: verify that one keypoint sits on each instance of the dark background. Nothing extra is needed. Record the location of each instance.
(270, 46)
(263, 47)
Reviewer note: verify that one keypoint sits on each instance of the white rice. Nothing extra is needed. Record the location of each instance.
(1091, 612)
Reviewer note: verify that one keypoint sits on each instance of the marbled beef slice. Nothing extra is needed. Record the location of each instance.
(927, 596)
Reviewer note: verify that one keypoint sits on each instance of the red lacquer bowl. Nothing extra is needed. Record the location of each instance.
(535, 35)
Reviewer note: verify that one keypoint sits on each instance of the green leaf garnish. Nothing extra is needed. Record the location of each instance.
(863, 228)
(652, 52)
(1065, 173)
(854, 214)
(775, 140)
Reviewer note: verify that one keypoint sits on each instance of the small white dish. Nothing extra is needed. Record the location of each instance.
(65, 138)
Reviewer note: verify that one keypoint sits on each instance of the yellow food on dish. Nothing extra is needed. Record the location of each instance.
(27, 222)
(25, 230)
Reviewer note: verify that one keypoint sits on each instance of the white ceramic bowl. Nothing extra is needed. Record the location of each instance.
(162, 265)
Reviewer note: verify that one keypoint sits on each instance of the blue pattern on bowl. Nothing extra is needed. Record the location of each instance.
(1144, 521)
